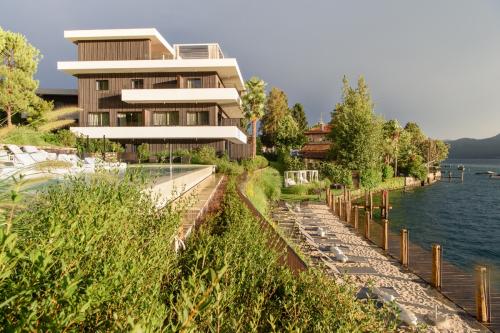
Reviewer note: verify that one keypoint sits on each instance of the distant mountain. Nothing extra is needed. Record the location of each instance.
(475, 148)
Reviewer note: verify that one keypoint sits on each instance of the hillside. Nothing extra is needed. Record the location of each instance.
(475, 148)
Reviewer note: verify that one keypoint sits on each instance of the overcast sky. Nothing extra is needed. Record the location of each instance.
(434, 62)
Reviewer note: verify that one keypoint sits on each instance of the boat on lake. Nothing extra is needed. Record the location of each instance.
(495, 176)
(485, 173)
(461, 167)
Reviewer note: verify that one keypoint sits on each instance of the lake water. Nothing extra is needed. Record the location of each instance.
(463, 217)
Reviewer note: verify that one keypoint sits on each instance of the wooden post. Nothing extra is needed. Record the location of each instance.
(404, 247)
(371, 204)
(332, 203)
(327, 196)
(341, 211)
(482, 294)
(356, 217)
(382, 204)
(348, 211)
(385, 235)
(367, 202)
(367, 225)
(436, 266)
(462, 176)
(386, 201)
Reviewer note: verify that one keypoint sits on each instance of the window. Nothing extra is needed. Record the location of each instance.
(170, 118)
(129, 119)
(137, 84)
(98, 119)
(102, 85)
(194, 83)
(197, 118)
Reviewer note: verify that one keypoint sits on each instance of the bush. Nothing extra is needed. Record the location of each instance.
(418, 169)
(143, 152)
(230, 279)
(204, 155)
(252, 164)
(264, 189)
(292, 163)
(371, 178)
(387, 172)
(336, 173)
(89, 254)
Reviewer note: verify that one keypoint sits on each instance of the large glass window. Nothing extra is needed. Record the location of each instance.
(137, 84)
(194, 83)
(102, 85)
(98, 119)
(197, 118)
(129, 119)
(169, 118)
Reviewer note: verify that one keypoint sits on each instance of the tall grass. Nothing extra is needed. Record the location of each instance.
(263, 188)
(88, 254)
(249, 291)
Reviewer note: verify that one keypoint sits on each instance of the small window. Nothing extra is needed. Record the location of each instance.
(102, 85)
(170, 118)
(137, 84)
(194, 83)
(98, 119)
(197, 118)
(129, 118)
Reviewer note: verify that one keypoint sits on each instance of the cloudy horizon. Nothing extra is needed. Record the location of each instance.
(433, 62)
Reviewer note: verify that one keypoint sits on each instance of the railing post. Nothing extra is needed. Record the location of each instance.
(367, 225)
(332, 202)
(371, 204)
(404, 247)
(436, 265)
(482, 294)
(327, 196)
(386, 201)
(348, 211)
(356, 217)
(385, 235)
(341, 213)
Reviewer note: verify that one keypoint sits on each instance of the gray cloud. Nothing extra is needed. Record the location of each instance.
(434, 62)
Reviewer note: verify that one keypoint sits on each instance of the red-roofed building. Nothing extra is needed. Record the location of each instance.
(318, 143)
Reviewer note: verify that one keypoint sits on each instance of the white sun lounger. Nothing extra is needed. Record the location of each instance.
(30, 149)
(14, 149)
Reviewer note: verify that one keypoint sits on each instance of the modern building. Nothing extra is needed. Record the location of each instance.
(134, 87)
(318, 145)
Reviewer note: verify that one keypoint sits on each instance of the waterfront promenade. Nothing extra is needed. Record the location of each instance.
(367, 265)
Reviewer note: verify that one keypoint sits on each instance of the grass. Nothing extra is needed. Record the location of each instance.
(25, 135)
(263, 188)
(395, 183)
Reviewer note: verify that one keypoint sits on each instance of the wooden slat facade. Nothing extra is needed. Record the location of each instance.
(109, 101)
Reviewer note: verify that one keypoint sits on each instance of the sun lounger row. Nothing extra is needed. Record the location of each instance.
(14, 160)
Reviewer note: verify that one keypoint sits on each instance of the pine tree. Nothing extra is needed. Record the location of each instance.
(276, 110)
(299, 115)
(18, 64)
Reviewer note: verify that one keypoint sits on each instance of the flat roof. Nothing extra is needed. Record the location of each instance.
(114, 34)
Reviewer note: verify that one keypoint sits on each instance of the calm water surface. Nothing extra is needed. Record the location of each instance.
(463, 217)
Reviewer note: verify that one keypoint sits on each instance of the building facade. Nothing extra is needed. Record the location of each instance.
(134, 88)
(318, 144)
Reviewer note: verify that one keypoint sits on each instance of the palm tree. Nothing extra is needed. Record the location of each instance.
(253, 106)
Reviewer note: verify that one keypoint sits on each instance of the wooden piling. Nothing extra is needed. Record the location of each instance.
(404, 248)
(387, 207)
(348, 210)
(356, 217)
(385, 235)
(332, 203)
(327, 194)
(341, 210)
(436, 266)
(367, 225)
(482, 295)
(371, 204)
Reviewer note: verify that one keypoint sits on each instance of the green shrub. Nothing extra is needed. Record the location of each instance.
(264, 189)
(89, 254)
(371, 178)
(418, 169)
(292, 163)
(387, 172)
(229, 279)
(252, 164)
(336, 173)
(204, 155)
(143, 152)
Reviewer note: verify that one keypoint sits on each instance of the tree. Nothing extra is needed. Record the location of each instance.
(356, 132)
(392, 131)
(299, 115)
(276, 110)
(286, 134)
(253, 106)
(18, 64)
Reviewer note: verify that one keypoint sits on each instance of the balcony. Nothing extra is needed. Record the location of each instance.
(227, 98)
(230, 133)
